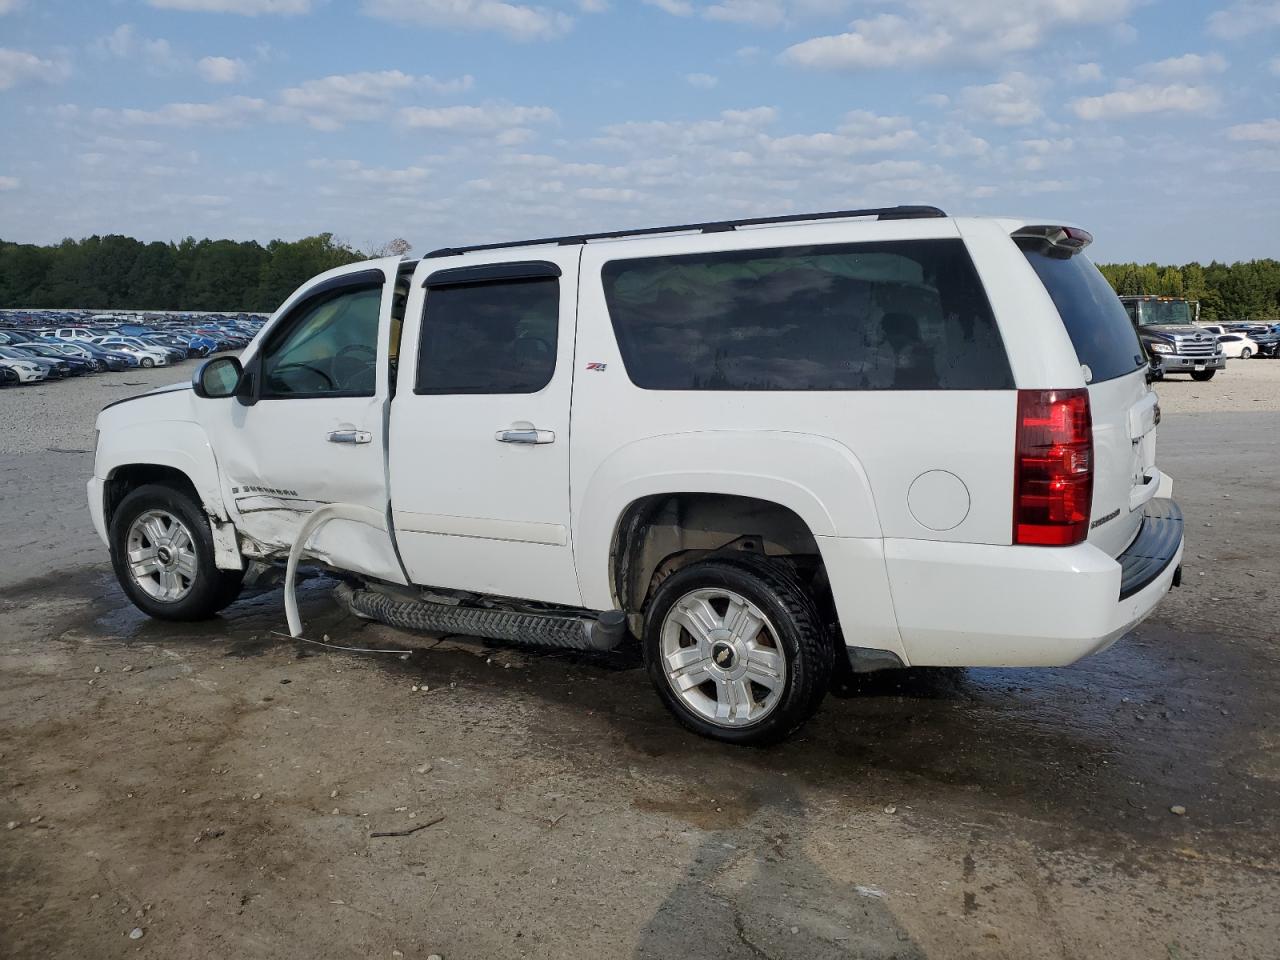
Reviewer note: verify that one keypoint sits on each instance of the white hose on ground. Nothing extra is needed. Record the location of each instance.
(318, 518)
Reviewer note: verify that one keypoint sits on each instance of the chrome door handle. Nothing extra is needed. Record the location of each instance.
(350, 436)
(525, 436)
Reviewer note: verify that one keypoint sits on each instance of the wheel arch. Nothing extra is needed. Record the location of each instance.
(174, 453)
(823, 485)
(658, 534)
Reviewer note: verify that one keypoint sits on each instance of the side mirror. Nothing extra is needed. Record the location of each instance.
(216, 378)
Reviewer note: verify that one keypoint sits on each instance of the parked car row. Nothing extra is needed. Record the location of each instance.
(53, 345)
(1245, 340)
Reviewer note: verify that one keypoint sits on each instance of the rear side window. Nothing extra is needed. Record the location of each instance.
(902, 315)
(1096, 321)
(497, 337)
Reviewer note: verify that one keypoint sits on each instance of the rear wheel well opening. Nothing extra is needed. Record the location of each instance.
(660, 534)
(124, 480)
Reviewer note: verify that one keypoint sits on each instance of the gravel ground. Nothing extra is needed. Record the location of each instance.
(1246, 385)
(214, 786)
(60, 414)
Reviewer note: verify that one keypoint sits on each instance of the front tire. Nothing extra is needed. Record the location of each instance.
(737, 650)
(146, 362)
(1246, 353)
(1202, 375)
(162, 553)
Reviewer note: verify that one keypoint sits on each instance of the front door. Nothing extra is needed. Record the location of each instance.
(315, 434)
(479, 447)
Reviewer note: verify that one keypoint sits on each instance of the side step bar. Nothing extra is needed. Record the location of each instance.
(543, 630)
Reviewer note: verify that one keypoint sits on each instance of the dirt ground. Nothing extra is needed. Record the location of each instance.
(216, 787)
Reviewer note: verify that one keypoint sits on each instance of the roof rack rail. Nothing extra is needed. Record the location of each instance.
(713, 226)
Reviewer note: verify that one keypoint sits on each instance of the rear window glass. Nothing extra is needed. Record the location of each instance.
(1096, 321)
(902, 315)
(497, 337)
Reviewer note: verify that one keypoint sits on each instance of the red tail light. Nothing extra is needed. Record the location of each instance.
(1052, 467)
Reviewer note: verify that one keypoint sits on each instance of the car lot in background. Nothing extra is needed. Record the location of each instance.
(1238, 345)
(22, 371)
(56, 344)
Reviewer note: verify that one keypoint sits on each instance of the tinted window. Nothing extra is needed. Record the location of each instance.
(1096, 321)
(497, 337)
(328, 347)
(906, 315)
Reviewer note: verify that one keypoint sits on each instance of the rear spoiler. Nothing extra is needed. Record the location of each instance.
(1056, 241)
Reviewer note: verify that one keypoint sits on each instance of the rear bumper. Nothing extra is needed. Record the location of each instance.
(982, 605)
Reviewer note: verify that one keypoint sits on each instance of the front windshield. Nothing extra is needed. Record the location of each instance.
(1152, 312)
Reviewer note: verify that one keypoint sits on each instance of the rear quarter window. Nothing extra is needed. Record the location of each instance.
(901, 315)
(1097, 322)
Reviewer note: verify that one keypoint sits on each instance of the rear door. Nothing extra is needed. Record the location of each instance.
(479, 454)
(1123, 405)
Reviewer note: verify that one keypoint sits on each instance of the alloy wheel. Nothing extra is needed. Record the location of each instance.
(722, 657)
(161, 555)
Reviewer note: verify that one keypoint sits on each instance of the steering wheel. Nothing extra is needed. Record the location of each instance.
(284, 368)
(353, 362)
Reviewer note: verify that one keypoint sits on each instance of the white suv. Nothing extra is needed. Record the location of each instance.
(767, 449)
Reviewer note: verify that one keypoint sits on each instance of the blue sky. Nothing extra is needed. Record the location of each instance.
(1155, 124)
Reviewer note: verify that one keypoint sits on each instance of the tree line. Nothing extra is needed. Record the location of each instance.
(116, 272)
(1248, 290)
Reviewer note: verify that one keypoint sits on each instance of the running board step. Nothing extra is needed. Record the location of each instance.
(543, 630)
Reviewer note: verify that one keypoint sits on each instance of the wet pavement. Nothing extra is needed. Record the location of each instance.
(215, 785)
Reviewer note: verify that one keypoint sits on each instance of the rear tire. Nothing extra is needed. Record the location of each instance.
(162, 554)
(1202, 375)
(1246, 353)
(736, 649)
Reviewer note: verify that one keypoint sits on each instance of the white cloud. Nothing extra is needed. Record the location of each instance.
(196, 200)
(1263, 131)
(354, 171)
(223, 69)
(331, 102)
(1085, 73)
(954, 140)
(518, 21)
(1189, 66)
(936, 31)
(677, 8)
(1010, 102)
(610, 194)
(730, 125)
(757, 13)
(231, 112)
(489, 118)
(125, 43)
(248, 8)
(10, 6)
(19, 66)
(1245, 18)
(9, 183)
(1145, 98)
(884, 41)
(703, 81)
